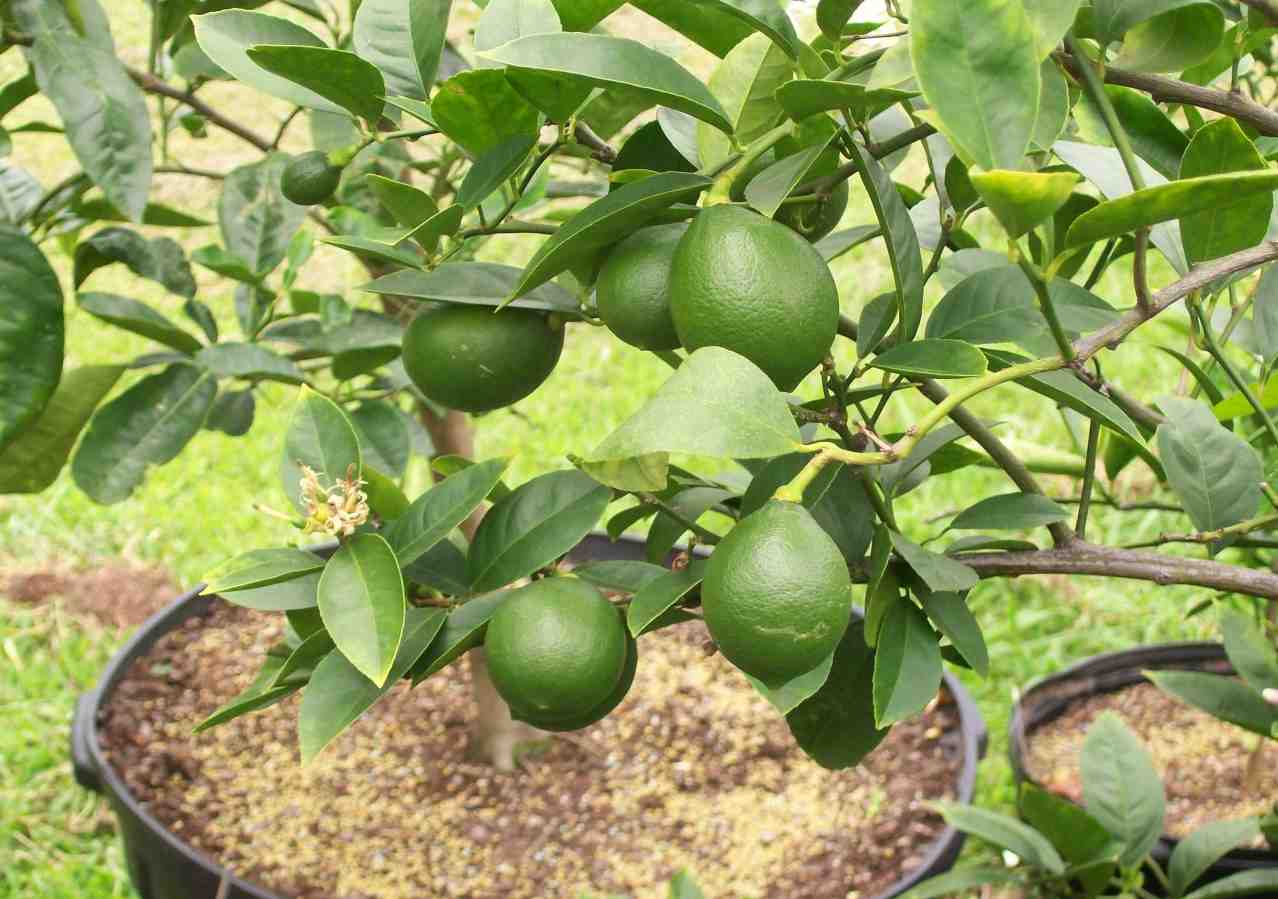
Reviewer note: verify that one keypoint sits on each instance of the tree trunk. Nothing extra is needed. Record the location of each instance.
(495, 735)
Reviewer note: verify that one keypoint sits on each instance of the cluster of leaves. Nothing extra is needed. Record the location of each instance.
(1064, 850)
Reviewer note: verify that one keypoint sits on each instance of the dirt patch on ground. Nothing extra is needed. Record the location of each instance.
(693, 771)
(1203, 761)
(117, 593)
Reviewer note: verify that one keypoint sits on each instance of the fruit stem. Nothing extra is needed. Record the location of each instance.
(721, 190)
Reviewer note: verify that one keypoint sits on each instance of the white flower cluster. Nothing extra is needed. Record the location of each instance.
(336, 511)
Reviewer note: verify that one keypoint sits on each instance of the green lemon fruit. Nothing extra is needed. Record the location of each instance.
(753, 286)
(556, 650)
(633, 290)
(309, 178)
(474, 359)
(777, 596)
(815, 220)
(599, 712)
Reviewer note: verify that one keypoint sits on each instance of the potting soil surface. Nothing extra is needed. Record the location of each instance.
(694, 771)
(1203, 761)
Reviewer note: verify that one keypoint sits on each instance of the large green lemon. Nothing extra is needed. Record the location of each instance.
(777, 596)
(753, 286)
(474, 359)
(579, 720)
(556, 651)
(309, 178)
(633, 290)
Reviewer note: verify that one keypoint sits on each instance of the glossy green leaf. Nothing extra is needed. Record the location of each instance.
(137, 317)
(1121, 787)
(1173, 41)
(226, 37)
(941, 574)
(479, 109)
(716, 404)
(104, 114)
(475, 284)
(434, 514)
(160, 259)
(977, 64)
(615, 64)
(720, 25)
(361, 599)
(1111, 19)
(907, 665)
(745, 84)
(147, 425)
(368, 248)
(410, 206)
(1077, 836)
(793, 693)
(303, 659)
(256, 221)
(338, 694)
(260, 567)
(606, 221)
(1221, 697)
(493, 169)
(933, 358)
(536, 524)
(1021, 200)
(463, 630)
(1104, 167)
(1250, 650)
(833, 16)
(404, 40)
(1053, 107)
(807, 97)
(20, 194)
(31, 461)
(283, 596)
(1173, 200)
(249, 361)
(960, 882)
(1204, 847)
(834, 245)
(321, 437)
(902, 242)
(657, 597)
(1153, 136)
(31, 332)
(338, 76)
(1064, 388)
(262, 693)
(1049, 20)
(770, 187)
(100, 210)
(1010, 512)
(444, 223)
(952, 617)
(1218, 148)
(622, 574)
(689, 505)
(1004, 832)
(216, 259)
(385, 440)
(836, 726)
(1214, 472)
(505, 20)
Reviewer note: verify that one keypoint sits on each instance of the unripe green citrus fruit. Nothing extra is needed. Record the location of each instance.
(598, 713)
(815, 220)
(633, 290)
(309, 178)
(777, 596)
(474, 359)
(556, 650)
(748, 284)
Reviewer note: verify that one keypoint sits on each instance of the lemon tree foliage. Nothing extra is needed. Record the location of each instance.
(1001, 158)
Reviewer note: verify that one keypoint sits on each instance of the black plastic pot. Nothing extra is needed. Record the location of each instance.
(163, 867)
(1047, 699)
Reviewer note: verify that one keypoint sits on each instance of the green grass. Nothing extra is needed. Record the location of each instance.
(197, 510)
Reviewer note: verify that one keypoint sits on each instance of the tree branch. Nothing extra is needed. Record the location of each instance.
(153, 85)
(586, 136)
(1170, 90)
(1083, 558)
(848, 170)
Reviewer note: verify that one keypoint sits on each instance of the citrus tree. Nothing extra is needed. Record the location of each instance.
(1049, 142)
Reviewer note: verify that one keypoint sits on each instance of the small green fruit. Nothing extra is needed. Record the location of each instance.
(309, 178)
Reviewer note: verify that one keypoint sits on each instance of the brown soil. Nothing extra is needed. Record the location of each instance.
(119, 594)
(693, 771)
(1203, 761)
